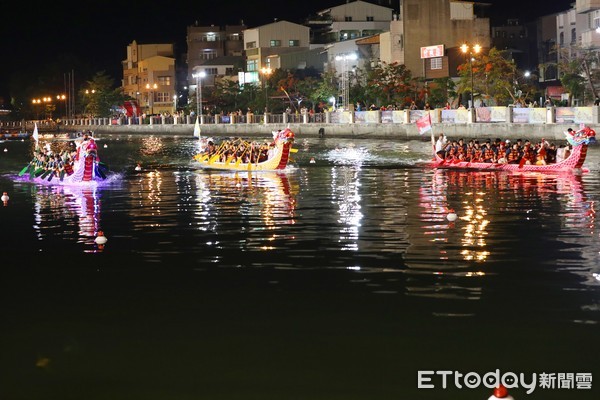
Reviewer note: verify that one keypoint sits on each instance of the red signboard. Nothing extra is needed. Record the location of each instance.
(432, 51)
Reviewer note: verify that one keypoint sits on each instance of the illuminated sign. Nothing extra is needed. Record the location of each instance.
(432, 51)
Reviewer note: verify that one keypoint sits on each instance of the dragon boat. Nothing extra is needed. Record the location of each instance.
(241, 155)
(578, 139)
(67, 166)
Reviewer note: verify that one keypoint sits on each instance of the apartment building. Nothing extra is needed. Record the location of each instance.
(149, 77)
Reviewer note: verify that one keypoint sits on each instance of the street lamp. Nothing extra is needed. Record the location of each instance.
(470, 50)
(198, 77)
(266, 72)
(151, 88)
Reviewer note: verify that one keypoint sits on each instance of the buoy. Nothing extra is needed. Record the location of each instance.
(105, 146)
(100, 238)
(451, 215)
(138, 167)
(5, 198)
(5, 149)
(500, 393)
(312, 160)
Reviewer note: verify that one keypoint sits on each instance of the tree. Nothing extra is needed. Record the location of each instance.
(493, 74)
(390, 84)
(99, 97)
(575, 73)
(440, 91)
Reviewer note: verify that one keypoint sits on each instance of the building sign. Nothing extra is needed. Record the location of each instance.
(432, 51)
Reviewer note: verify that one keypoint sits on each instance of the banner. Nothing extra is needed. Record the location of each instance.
(424, 124)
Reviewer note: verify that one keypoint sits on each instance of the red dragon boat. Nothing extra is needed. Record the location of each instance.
(579, 140)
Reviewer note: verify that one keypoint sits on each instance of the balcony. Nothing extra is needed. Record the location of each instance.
(585, 6)
(590, 39)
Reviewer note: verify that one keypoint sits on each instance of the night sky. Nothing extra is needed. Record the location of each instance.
(31, 35)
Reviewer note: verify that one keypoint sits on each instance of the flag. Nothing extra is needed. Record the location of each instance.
(35, 133)
(197, 128)
(424, 124)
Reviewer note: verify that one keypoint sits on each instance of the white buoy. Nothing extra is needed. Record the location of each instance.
(105, 146)
(312, 160)
(500, 393)
(4, 197)
(138, 167)
(100, 238)
(451, 216)
(5, 149)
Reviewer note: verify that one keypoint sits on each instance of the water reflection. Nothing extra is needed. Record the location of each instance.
(496, 210)
(345, 185)
(64, 211)
(264, 203)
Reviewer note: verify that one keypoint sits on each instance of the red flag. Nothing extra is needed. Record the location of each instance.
(424, 124)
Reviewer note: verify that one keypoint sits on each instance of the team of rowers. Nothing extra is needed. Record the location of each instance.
(46, 162)
(238, 149)
(501, 151)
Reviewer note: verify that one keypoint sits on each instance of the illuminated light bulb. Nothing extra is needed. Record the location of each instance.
(105, 146)
(100, 238)
(5, 149)
(451, 215)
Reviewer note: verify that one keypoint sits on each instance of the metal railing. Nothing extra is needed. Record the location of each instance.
(539, 115)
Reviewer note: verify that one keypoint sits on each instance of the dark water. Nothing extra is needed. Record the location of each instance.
(338, 279)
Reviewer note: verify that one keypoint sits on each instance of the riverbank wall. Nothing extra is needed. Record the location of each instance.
(386, 131)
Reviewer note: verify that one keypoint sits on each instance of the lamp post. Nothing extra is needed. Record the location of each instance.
(151, 89)
(471, 50)
(266, 72)
(345, 82)
(64, 98)
(199, 76)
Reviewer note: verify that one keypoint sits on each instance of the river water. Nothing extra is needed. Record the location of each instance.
(338, 279)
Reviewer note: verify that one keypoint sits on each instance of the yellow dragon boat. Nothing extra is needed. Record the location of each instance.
(239, 155)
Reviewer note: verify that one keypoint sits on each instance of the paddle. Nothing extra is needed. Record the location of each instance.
(32, 173)
(103, 166)
(522, 162)
(39, 172)
(62, 175)
(51, 176)
(45, 174)
(100, 172)
(24, 170)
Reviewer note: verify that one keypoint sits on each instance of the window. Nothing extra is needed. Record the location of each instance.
(348, 19)
(251, 65)
(229, 71)
(211, 71)
(561, 39)
(208, 54)
(210, 37)
(163, 97)
(294, 43)
(370, 18)
(164, 80)
(251, 45)
(573, 36)
(436, 63)
(275, 43)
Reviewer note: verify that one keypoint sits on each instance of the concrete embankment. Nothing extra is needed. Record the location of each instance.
(358, 131)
